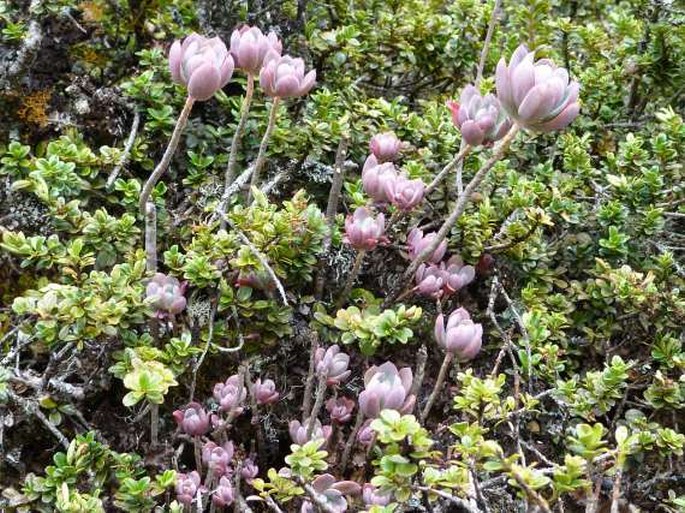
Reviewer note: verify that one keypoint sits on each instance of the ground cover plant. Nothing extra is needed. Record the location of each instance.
(292, 256)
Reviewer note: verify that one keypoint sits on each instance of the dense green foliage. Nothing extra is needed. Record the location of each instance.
(578, 394)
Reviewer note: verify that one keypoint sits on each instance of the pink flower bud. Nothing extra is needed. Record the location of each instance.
(538, 95)
(457, 275)
(385, 147)
(340, 409)
(362, 231)
(417, 242)
(386, 388)
(230, 395)
(193, 420)
(223, 494)
(284, 77)
(187, 486)
(460, 336)
(249, 471)
(404, 193)
(375, 179)
(166, 294)
(265, 393)
(249, 47)
(217, 458)
(332, 364)
(298, 431)
(373, 497)
(482, 120)
(200, 64)
(332, 493)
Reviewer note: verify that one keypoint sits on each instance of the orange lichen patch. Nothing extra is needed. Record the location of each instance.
(88, 56)
(93, 11)
(33, 107)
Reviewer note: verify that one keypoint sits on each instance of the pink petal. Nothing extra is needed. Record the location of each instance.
(562, 120)
(204, 82)
(175, 56)
(522, 80)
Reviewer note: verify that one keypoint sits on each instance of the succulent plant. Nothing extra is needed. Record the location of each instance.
(332, 492)
(386, 388)
(444, 279)
(385, 146)
(417, 242)
(201, 64)
(404, 193)
(284, 77)
(223, 494)
(166, 294)
(460, 335)
(193, 420)
(538, 95)
(481, 119)
(333, 364)
(340, 409)
(231, 394)
(376, 177)
(298, 431)
(363, 231)
(265, 391)
(216, 457)
(187, 486)
(249, 47)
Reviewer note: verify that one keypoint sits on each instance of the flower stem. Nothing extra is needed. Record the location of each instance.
(350, 279)
(150, 238)
(459, 209)
(350, 441)
(261, 156)
(438, 385)
(237, 138)
(449, 167)
(309, 385)
(318, 403)
(197, 449)
(168, 153)
(154, 424)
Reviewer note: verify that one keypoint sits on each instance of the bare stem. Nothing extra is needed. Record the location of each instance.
(350, 279)
(459, 209)
(197, 449)
(332, 206)
(421, 358)
(438, 385)
(494, 15)
(237, 136)
(150, 238)
(261, 156)
(154, 424)
(127, 149)
(320, 394)
(463, 151)
(309, 385)
(168, 154)
(350, 441)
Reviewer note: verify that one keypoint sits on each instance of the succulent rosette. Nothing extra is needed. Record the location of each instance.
(460, 335)
(363, 231)
(203, 65)
(250, 47)
(481, 119)
(538, 95)
(284, 77)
